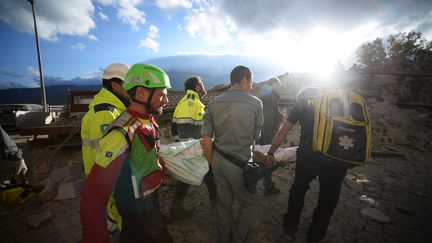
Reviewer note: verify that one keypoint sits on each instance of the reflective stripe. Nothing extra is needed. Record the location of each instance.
(187, 120)
(150, 191)
(135, 187)
(90, 143)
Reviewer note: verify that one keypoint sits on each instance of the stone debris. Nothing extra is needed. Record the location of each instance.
(36, 220)
(41, 169)
(367, 199)
(63, 174)
(66, 191)
(376, 215)
(49, 191)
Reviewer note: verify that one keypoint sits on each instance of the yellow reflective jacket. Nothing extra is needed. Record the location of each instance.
(190, 109)
(103, 109)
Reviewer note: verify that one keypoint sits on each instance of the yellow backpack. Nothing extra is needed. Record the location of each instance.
(342, 128)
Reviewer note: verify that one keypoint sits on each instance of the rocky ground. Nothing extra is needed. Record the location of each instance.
(388, 200)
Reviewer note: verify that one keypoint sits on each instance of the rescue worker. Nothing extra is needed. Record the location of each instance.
(272, 120)
(309, 165)
(106, 105)
(234, 120)
(128, 165)
(11, 158)
(187, 124)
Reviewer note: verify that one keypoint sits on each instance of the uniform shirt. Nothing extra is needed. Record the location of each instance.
(272, 118)
(95, 122)
(234, 119)
(188, 116)
(304, 113)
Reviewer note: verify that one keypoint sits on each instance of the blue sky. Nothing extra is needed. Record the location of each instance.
(80, 37)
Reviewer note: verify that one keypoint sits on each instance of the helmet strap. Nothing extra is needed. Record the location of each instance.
(147, 105)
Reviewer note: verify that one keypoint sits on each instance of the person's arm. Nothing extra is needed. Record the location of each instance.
(99, 185)
(277, 142)
(207, 144)
(207, 134)
(174, 132)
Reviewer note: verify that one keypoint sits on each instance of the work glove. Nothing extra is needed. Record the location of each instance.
(21, 167)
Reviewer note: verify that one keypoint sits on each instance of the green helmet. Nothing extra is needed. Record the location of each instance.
(146, 75)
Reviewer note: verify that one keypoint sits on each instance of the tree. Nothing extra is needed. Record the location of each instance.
(371, 54)
(410, 46)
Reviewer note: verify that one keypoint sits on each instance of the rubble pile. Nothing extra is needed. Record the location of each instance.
(387, 200)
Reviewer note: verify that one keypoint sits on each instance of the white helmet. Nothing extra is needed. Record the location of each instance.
(312, 87)
(116, 70)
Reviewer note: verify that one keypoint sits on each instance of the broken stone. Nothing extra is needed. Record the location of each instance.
(404, 210)
(421, 195)
(63, 174)
(36, 220)
(375, 214)
(367, 199)
(354, 185)
(41, 169)
(49, 191)
(66, 191)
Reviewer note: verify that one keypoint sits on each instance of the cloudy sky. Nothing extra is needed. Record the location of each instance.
(80, 37)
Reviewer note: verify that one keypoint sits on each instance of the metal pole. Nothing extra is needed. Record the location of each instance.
(42, 83)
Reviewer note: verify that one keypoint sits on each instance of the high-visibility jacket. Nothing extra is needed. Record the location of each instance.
(190, 109)
(104, 108)
(127, 165)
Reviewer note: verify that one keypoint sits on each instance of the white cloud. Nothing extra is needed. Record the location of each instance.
(54, 18)
(153, 32)
(210, 24)
(128, 12)
(92, 74)
(78, 46)
(32, 71)
(172, 5)
(103, 16)
(92, 37)
(150, 44)
(107, 2)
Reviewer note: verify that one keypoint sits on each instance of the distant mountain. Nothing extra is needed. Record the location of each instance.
(56, 95)
(213, 69)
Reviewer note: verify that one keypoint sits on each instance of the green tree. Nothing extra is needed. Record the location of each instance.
(371, 54)
(412, 46)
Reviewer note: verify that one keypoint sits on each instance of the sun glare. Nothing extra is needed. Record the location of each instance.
(319, 52)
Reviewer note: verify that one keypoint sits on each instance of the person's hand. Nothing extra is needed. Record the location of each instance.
(269, 161)
(176, 138)
(22, 167)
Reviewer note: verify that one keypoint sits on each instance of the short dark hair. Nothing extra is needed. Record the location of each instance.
(192, 82)
(238, 73)
(106, 83)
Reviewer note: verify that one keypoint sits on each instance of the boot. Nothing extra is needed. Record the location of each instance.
(271, 190)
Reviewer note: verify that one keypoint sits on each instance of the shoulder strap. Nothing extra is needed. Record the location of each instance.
(122, 130)
(104, 107)
(230, 158)
(119, 124)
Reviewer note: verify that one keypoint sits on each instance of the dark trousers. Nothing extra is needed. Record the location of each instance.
(181, 188)
(142, 221)
(330, 177)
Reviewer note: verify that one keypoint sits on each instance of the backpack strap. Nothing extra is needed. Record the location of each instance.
(104, 107)
(230, 158)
